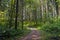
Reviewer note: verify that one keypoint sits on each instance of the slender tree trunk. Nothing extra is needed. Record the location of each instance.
(10, 15)
(22, 5)
(35, 16)
(46, 10)
(42, 9)
(16, 17)
(56, 3)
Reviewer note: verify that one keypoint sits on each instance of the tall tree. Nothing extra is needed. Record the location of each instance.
(22, 7)
(56, 3)
(16, 17)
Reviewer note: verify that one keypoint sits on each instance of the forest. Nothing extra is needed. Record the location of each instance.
(29, 19)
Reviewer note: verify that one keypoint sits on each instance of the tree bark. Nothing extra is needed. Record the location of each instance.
(16, 17)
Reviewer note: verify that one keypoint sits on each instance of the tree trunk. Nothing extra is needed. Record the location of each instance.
(16, 17)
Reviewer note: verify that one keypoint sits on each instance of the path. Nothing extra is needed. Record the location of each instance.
(34, 35)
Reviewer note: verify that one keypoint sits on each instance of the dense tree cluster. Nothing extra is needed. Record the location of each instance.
(17, 14)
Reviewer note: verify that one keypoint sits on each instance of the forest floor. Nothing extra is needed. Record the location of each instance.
(33, 35)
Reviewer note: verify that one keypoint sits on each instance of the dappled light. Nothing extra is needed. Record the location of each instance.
(29, 19)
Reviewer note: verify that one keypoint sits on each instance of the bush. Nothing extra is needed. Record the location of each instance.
(52, 28)
(11, 33)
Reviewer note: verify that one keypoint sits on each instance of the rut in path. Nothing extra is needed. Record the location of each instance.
(34, 35)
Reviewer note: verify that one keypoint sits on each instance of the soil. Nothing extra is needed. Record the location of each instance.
(33, 35)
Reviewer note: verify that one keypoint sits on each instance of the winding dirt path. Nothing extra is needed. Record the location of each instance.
(33, 35)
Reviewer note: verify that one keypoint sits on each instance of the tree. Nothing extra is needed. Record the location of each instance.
(16, 17)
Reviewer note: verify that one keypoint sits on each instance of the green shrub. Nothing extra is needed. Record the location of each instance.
(11, 33)
(52, 28)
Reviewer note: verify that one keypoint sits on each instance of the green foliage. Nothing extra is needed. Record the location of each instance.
(53, 28)
(30, 7)
(4, 5)
(11, 33)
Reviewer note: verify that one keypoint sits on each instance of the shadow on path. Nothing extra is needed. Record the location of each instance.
(33, 35)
